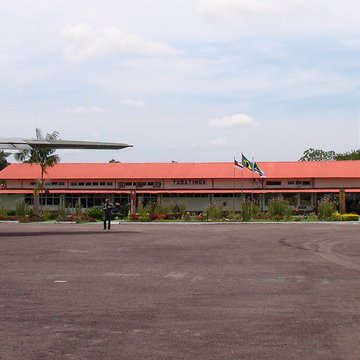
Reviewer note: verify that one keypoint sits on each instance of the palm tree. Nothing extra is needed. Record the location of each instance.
(3, 162)
(44, 157)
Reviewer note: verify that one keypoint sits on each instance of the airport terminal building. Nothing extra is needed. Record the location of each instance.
(192, 185)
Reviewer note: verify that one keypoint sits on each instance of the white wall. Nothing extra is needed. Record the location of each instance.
(9, 200)
(337, 184)
(191, 204)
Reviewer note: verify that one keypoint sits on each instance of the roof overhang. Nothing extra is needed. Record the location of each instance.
(174, 191)
(28, 144)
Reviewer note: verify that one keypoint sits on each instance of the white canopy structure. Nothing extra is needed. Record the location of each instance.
(8, 143)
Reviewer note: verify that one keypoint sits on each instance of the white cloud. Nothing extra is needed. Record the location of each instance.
(232, 121)
(245, 8)
(226, 8)
(218, 142)
(134, 103)
(273, 59)
(352, 43)
(285, 18)
(83, 43)
(85, 110)
(312, 82)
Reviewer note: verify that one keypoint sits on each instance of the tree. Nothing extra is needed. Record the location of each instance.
(321, 155)
(44, 157)
(318, 155)
(3, 162)
(349, 155)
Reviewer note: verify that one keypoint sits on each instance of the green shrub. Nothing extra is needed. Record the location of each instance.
(237, 217)
(249, 210)
(158, 208)
(62, 214)
(279, 209)
(186, 217)
(230, 214)
(326, 209)
(21, 207)
(124, 211)
(95, 213)
(80, 217)
(3, 209)
(143, 213)
(153, 208)
(215, 212)
(177, 209)
(47, 214)
(144, 217)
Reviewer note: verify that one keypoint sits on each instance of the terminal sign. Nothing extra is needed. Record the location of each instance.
(189, 182)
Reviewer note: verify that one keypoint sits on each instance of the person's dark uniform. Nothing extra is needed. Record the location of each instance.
(107, 213)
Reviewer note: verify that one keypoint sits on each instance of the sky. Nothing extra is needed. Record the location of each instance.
(186, 81)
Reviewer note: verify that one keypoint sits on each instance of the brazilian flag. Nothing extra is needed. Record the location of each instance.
(251, 166)
(246, 163)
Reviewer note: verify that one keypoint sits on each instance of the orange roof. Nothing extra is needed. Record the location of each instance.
(216, 170)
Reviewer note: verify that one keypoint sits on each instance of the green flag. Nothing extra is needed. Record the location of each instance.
(246, 163)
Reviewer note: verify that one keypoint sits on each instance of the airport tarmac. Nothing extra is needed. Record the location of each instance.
(180, 291)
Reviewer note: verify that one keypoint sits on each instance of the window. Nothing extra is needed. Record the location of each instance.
(53, 183)
(269, 197)
(45, 199)
(273, 183)
(28, 199)
(201, 195)
(299, 182)
(291, 198)
(305, 199)
(122, 199)
(150, 198)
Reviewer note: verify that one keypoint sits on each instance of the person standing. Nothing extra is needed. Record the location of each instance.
(107, 213)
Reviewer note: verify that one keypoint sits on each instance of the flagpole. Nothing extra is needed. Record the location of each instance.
(242, 179)
(252, 181)
(233, 202)
(242, 182)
